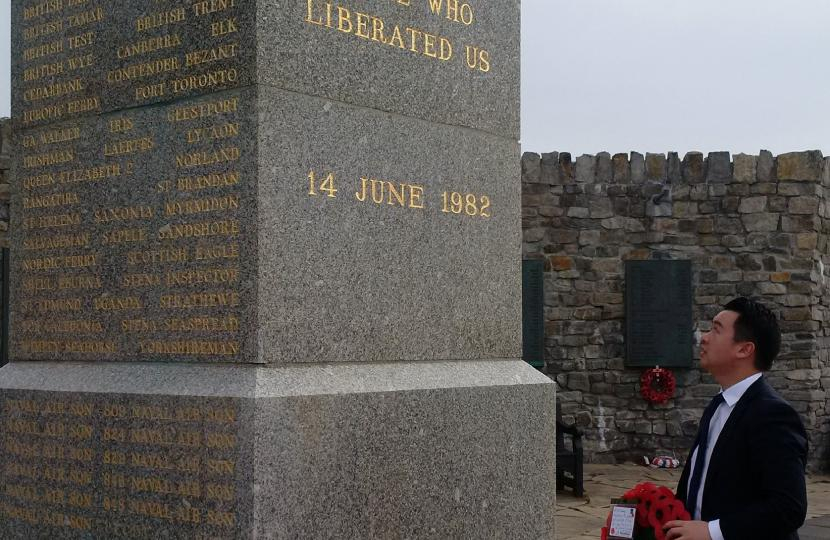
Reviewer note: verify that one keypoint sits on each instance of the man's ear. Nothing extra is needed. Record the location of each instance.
(746, 349)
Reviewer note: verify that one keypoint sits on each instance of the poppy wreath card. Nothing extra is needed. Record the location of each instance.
(656, 506)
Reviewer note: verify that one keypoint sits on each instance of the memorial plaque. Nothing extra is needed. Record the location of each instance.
(137, 467)
(266, 253)
(533, 312)
(658, 313)
(133, 227)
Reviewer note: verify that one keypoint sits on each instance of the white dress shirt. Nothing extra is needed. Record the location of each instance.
(730, 397)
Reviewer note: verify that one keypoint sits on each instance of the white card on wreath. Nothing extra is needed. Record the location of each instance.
(622, 521)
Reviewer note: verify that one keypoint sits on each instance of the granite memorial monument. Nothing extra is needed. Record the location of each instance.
(266, 276)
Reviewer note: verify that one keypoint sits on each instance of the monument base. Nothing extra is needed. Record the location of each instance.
(403, 450)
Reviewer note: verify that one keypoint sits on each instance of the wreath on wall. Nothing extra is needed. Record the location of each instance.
(657, 385)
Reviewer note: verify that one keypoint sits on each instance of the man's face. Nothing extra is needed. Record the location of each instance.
(718, 350)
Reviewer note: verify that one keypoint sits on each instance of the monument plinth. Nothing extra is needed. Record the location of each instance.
(266, 274)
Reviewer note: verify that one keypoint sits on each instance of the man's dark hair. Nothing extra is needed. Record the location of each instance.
(756, 323)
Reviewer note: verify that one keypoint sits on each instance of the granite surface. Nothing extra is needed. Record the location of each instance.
(383, 450)
(444, 61)
(134, 235)
(72, 59)
(352, 280)
(388, 55)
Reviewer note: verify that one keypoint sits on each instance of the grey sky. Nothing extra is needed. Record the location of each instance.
(660, 75)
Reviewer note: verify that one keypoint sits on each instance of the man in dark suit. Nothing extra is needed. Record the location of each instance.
(744, 479)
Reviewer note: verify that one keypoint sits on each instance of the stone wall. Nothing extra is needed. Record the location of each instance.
(751, 225)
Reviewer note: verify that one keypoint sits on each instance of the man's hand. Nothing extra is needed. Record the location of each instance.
(687, 530)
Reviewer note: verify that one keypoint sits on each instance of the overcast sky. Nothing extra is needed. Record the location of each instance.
(660, 75)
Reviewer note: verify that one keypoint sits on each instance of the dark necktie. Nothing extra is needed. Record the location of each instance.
(701, 442)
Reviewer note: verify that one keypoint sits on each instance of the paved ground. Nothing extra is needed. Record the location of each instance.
(581, 519)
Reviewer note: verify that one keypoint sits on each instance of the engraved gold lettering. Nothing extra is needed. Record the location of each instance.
(92, 174)
(200, 277)
(48, 159)
(39, 51)
(79, 281)
(204, 56)
(86, 17)
(203, 324)
(207, 7)
(42, 8)
(54, 90)
(138, 325)
(160, 19)
(49, 222)
(203, 110)
(221, 28)
(123, 213)
(200, 206)
(199, 300)
(190, 348)
(221, 77)
(124, 236)
(50, 201)
(52, 69)
(133, 146)
(43, 29)
(111, 303)
(59, 241)
(81, 40)
(200, 230)
(220, 467)
(60, 261)
(149, 45)
(212, 180)
(145, 69)
(196, 159)
(212, 133)
(158, 256)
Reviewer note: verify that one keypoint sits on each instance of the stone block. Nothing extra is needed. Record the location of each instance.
(310, 423)
(549, 169)
(674, 166)
(601, 208)
(760, 222)
(744, 168)
(766, 167)
(531, 168)
(753, 205)
(579, 381)
(559, 263)
(585, 168)
(803, 205)
(694, 168)
(656, 167)
(604, 168)
(684, 209)
(798, 188)
(638, 168)
(718, 167)
(621, 173)
(807, 240)
(800, 165)
(772, 288)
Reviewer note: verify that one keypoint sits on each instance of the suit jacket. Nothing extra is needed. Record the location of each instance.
(755, 483)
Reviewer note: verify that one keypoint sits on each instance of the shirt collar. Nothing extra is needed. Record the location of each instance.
(732, 394)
